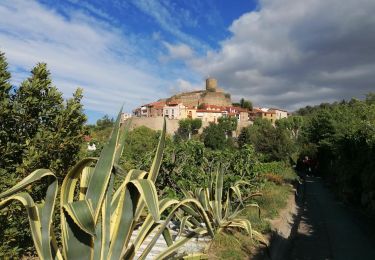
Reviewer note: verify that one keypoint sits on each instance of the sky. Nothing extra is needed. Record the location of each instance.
(277, 53)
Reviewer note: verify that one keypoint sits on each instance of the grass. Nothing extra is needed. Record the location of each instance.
(230, 246)
(238, 245)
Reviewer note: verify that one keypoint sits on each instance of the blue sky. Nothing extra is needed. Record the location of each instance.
(280, 53)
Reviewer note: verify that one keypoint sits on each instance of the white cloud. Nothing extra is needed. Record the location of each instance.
(79, 51)
(177, 52)
(291, 52)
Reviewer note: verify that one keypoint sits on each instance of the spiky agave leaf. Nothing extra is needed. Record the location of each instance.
(221, 215)
(79, 219)
(102, 172)
(171, 249)
(40, 215)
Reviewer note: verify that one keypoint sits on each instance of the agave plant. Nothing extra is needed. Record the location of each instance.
(224, 215)
(96, 221)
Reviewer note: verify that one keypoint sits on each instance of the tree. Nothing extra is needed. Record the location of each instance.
(182, 167)
(69, 136)
(343, 137)
(246, 104)
(244, 137)
(6, 120)
(49, 129)
(188, 127)
(228, 125)
(104, 122)
(37, 104)
(293, 124)
(273, 143)
(40, 131)
(140, 144)
(214, 137)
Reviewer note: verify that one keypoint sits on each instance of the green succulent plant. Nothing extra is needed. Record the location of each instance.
(224, 215)
(97, 221)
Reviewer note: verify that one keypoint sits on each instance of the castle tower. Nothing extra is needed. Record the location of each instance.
(211, 84)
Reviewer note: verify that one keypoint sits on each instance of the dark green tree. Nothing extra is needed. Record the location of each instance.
(246, 104)
(188, 127)
(244, 137)
(228, 125)
(49, 130)
(343, 137)
(214, 137)
(140, 144)
(6, 119)
(293, 124)
(40, 131)
(69, 135)
(273, 143)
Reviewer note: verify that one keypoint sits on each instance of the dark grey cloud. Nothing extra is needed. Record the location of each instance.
(290, 53)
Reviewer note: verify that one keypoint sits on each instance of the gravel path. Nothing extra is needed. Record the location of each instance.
(329, 230)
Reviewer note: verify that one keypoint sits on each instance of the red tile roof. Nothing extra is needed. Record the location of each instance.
(157, 104)
(209, 111)
(172, 103)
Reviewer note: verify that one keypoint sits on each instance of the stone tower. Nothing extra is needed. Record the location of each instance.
(211, 84)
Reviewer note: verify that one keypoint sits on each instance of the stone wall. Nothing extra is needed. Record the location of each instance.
(155, 123)
(202, 97)
(216, 98)
(188, 98)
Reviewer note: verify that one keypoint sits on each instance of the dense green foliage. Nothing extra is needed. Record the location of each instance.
(188, 127)
(340, 139)
(274, 143)
(38, 129)
(214, 137)
(104, 122)
(244, 104)
(41, 130)
(228, 125)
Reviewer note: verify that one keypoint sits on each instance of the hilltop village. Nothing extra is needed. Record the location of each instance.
(207, 105)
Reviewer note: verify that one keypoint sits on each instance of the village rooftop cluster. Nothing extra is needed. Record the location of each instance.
(207, 105)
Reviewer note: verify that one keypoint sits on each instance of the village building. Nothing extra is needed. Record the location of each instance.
(212, 95)
(175, 111)
(280, 114)
(208, 105)
(271, 114)
(191, 112)
(211, 113)
(155, 109)
(141, 111)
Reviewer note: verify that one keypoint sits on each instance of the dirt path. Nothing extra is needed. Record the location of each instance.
(328, 230)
